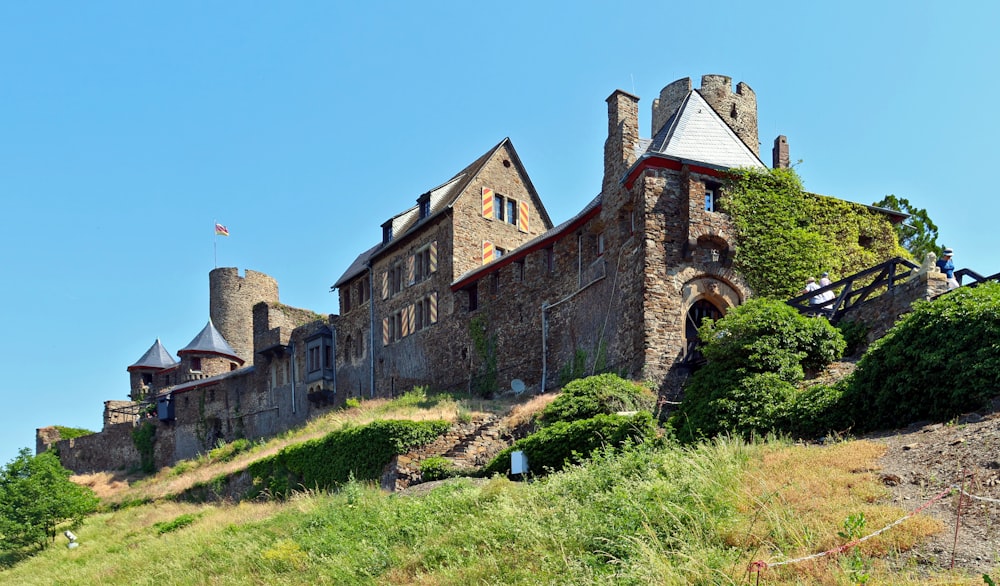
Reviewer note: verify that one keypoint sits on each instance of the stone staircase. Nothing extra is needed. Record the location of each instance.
(466, 445)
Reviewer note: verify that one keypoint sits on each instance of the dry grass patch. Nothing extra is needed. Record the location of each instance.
(796, 503)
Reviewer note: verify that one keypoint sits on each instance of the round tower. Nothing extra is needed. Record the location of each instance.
(738, 109)
(231, 301)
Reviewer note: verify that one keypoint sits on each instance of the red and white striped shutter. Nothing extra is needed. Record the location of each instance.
(411, 315)
(522, 216)
(434, 308)
(487, 203)
(410, 275)
(385, 331)
(434, 257)
(385, 285)
(488, 251)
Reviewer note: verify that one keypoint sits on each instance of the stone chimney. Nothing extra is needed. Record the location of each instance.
(623, 137)
(779, 154)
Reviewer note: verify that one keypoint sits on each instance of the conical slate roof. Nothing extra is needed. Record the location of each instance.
(156, 357)
(210, 341)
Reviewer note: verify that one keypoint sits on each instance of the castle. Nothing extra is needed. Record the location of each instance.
(473, 288)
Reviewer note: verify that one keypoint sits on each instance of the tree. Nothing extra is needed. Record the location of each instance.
(918, 234)
(36, 495)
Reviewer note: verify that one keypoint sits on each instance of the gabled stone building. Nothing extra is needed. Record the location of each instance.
(473, 288)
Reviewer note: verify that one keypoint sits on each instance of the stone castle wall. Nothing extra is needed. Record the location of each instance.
(231, 301)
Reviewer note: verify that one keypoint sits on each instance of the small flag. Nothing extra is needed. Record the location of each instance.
(221, 230)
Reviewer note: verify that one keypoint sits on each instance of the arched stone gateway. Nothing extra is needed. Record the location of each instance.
(705, 297)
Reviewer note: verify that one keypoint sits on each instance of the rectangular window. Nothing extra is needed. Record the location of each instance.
(495, 282)
(511, 212)
(519, 270)
(600, 244)
(386, 233)
(550, 259)
(312, 358)
(498, 253)
(364, 290)
(498, 206)
(196, 364)
(709, 200)
(345, 304)
(425, 208)
(473, 293)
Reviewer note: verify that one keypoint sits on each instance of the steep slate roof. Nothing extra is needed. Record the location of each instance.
(695, 133)
(210, 341)
(156, 357)
(442, 198)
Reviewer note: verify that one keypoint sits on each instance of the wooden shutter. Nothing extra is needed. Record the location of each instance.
(410, 274)
(410, 315)
(433, 317)
(522, 216)
(433, 264)
(488, 251)
(385, 331)
(487, 203)
(385, 285)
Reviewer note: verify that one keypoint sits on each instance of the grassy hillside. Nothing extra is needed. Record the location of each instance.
(656, 514)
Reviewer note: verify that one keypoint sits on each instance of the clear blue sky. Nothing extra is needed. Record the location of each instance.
(127, 129)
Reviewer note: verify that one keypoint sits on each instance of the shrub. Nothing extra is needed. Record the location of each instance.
(938, 361)
(359, 452)
(818, 410)
(596, 395)
(563, 442)
(226, 452)
(436, 468)
(176, 523)
(756, 356)
(66, 433)
(352, 403)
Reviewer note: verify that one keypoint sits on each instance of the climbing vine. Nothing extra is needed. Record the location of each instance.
(143, 437)
(484, 382)
(785, 234)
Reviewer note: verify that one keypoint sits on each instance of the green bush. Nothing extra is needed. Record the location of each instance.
(176, 523)
(66, 433)
(596, 395)
(940, 360)
(564, 442)
(358, 452)
(818, 410)
(855, 335)
(756, 354)
(227, 451)
(436, 468)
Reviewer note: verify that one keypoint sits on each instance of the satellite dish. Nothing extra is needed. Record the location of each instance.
(517, 385)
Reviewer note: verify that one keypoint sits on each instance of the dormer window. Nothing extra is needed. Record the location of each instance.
(386, 232)
(425, 207)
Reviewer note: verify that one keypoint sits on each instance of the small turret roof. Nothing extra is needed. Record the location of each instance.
(696, 133)
(210, 341)
(156, 357)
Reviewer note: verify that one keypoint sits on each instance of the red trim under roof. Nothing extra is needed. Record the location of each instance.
(521, 253)
(666, 163)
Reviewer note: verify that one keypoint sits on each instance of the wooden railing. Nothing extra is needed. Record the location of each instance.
(977, 279)
(857, 288)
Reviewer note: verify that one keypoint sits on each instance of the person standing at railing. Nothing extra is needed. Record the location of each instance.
(948, 268)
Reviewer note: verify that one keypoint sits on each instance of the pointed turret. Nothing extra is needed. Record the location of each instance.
(210, 341)
(156, 358)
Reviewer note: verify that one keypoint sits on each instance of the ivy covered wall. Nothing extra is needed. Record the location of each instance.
(785, 234)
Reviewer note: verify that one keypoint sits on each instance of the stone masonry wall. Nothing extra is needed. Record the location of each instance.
(470, 228)
(110, 449)
(881, 313)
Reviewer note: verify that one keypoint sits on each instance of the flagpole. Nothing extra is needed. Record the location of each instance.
(215, 244)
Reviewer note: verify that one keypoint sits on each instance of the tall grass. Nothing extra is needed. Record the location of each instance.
(649, 515)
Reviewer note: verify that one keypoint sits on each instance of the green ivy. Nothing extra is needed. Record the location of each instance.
(354, 452)
(485, 381)
(785, 235)
(144, 436)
